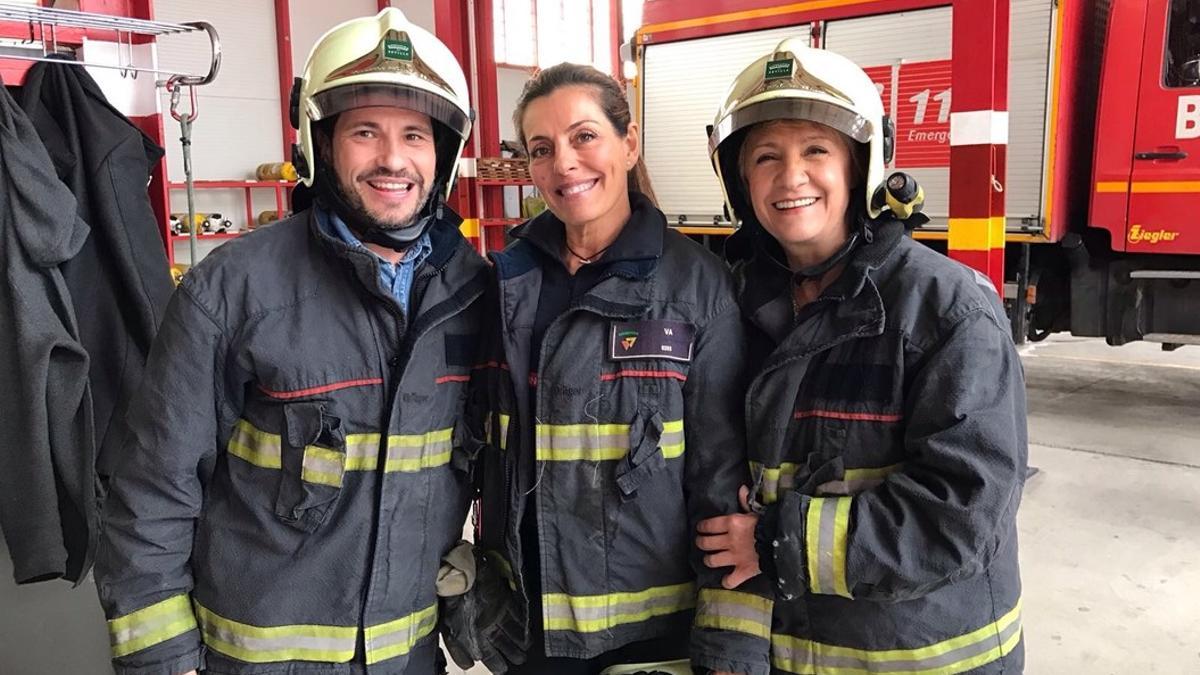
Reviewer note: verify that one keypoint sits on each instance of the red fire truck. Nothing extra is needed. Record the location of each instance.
(1058, 141)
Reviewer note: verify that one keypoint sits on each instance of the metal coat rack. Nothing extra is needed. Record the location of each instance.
(45, 22)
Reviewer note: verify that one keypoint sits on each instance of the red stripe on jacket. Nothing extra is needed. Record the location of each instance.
(665, 374)
(323, 389)
(852, 416)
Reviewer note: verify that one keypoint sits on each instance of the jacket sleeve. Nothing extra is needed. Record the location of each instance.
(143, 570)
(732, 628)
(945, 512)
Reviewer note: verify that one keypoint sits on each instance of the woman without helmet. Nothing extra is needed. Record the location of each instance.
(615, 387)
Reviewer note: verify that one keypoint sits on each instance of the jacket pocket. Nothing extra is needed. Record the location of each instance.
(645, 456)
(313, 465)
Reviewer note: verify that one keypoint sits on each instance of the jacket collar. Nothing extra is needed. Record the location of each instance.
(634, 255)
(849, 307)
(625, 289)
(444, 236)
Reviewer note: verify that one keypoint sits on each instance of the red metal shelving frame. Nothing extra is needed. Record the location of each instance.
(279, 186)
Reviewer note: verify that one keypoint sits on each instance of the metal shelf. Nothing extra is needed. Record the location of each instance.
(234, 184)
(48, 16)
(44, 24)
(202, 237)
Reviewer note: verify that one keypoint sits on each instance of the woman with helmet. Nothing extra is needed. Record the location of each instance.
(291, 477)
(886, 414)
(615, 385)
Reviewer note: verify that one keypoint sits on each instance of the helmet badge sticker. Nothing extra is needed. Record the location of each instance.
(394, 54)
(778, 69)
(397, 49)
(785, 71)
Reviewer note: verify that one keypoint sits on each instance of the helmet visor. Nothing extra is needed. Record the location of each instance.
(340, 99)
(848, 122)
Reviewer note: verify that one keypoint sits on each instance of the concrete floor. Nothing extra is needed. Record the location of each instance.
(1110, 526)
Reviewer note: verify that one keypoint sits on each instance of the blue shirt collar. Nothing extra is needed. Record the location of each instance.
(395, 277)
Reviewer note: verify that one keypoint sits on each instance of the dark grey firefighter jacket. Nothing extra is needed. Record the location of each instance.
(636, 436)
(288, 488)
(887, 437)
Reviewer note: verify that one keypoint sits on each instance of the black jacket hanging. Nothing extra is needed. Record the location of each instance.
(47, 460)
(119, 281)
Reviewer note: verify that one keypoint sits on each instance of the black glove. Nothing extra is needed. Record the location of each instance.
(479, 624)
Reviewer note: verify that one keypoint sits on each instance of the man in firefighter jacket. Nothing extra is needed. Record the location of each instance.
(886, 413)
(288, 486)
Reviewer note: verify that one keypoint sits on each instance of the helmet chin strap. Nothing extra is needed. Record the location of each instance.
(330, 196)
(819, 269)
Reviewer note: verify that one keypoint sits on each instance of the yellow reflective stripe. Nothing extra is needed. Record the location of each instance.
(396, 638)
(504, 422)
(362, 452)
(406, 452)
(411, 453)
(812, 544)
(258, 644)
(841, 539)
(855, 481)
(255, 446)
(827, 528)
(873, 473)
(323, 466)
(776, 480)
(594, 613)
(955, 655)
(599, 442)
(150, 625)
(734, 611)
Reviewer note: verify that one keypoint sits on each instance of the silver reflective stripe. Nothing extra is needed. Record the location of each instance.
(405, 452)
(504, 422)
(599, 442)
(412, 453)
(594, 613)
(825, 546)
(827, 532)
(853, 481)
(848, 487)
(294, 645)
(955, 655)
(267, 644)
(735, 611)
(255, 446)
(362, 452)
(398, 637)
(774, 480)
(324, 466)
(151, 625)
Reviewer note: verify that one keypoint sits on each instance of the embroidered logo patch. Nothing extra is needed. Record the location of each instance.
(651, 340)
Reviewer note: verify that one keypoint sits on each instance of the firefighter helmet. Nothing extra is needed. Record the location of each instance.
(798, 82)
(383, 60)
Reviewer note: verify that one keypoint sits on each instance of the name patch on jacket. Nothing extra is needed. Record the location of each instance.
(651, 340)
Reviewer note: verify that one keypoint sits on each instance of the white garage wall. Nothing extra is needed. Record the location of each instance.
(312, 18)
(238, 126)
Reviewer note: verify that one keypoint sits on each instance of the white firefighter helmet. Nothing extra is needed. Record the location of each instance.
(797, 82)
(383, 60)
